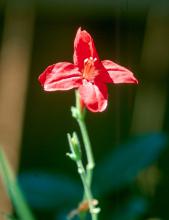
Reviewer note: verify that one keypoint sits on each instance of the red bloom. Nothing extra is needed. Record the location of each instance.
(88, 74)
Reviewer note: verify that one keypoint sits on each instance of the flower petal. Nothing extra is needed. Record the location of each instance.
(117, 73)
(83, 48)
(60, 76)
(94, 96)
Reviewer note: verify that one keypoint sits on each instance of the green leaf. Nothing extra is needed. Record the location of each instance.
(122, 165)
(50, 191)
(13, 189)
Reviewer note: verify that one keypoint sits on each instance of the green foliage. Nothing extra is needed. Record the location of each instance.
(13, 189)
(47, 191)
(118, 170)
(121, 166)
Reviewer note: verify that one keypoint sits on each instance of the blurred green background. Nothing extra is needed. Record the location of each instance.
(129, 139)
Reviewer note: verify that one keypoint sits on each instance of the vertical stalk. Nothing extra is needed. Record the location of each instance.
(13, 189)
(87, 190)
(75, 154)
(86, 175)
(81, 122)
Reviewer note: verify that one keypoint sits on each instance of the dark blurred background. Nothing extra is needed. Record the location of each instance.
(129, 139)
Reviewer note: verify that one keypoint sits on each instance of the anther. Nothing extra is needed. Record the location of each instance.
(86, 60)
(90, 58)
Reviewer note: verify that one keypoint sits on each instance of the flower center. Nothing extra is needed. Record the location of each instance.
(89, 71)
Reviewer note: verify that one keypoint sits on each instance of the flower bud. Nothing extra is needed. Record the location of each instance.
(74, 147)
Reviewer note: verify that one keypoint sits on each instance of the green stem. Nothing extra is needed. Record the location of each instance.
(75, 154)
(86, 175)
(88, 193)
(89, 153)
(80, 119)
(13, 189)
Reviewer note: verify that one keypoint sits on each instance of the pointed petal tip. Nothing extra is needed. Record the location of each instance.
(42, 76)
(130, 80)
(78, 31)
(134, 80)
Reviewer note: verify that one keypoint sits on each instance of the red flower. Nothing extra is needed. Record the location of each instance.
(88, 74)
